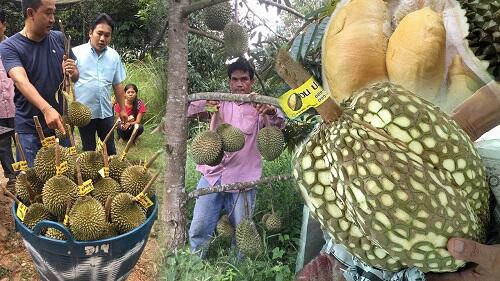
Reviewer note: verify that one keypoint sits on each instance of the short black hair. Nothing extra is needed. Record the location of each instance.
(2, 15)
(241, 64)
(103, 18)
(34, 4)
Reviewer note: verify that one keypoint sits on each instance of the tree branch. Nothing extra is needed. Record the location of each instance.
(283, 7)
(199, 5)
(237, 186)
(234, 97)
(206, 34)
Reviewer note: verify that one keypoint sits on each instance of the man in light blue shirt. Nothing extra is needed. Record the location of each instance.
(101, 70)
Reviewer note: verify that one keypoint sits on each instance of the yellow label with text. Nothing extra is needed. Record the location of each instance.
(66, 220)
(144, 200)
(72, 150)
(21, 211)
(46, 142)
(123, 156)
(20, 166)
(297, 101)
(62, 168)
(104, 172)
(86, 188)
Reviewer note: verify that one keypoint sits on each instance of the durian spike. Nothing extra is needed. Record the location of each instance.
(150, 162)
(19, 147)
(131, 140)
(78, 172)
(105, 158)
(295, 75)
(10, 195)
(150, 183)
(111, 131)
(38, 128)
(107, 208)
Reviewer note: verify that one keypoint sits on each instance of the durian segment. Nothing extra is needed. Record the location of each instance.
(116, 167)
(56, 191)
(235, 40)
(36, 212)
(248, 239)
(45, 163)
(126, 214)
(217, 16)
(206, 148)
(416, 53)
(233, 138)
(90, 164)
(87, 219)
(270, 142)
(354, 47)
(79, 115)
(393, 179)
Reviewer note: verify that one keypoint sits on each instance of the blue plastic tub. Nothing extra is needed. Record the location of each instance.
(108, 259)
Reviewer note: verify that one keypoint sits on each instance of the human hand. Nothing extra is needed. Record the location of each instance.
(123, 116)
(485, 259)
(68, 66)
(213, 104)
(131, 118)
(263, 108)
(53, 119)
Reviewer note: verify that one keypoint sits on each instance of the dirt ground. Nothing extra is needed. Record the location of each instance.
(16, 263)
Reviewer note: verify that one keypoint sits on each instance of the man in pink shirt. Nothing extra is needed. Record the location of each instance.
(241, 166)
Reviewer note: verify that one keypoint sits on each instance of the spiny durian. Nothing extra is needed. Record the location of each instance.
(126, 213)
(270, 142)
(79, 115)
(224, 227)
(217, 16)
(59, 134)
(36, 212)
(235, 40)
(233, 138)
(87, 219)
(55, 234)
(45, 165)
(105, 186)
(273, 223)
(90, 164)
(248, 238)
(135, 178)
(206, 148)
(25, 181)
(117, 166)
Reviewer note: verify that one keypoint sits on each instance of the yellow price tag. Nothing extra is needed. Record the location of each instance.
(46, 142)
(21, 211)
(62, 168)
(297, 101)
(86, 188)
(144, 200)
(20, 166)
(72, 150)
(123, 156)
(104, 172)
(66, 220)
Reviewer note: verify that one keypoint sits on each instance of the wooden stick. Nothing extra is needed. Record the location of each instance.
(108, 135)
(78, 172)
(131, 140)
(150, 183)
(105, 158)
(295, 75)
(19, 147)
(150, 162)
(38, 128)
(107, 208)
(9, 194)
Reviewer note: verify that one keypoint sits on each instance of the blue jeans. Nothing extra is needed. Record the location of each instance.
(31, 144)
(207, 210)
(102, 127)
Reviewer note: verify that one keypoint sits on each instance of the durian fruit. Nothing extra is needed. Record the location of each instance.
(105, 186)
(354, 47)
(55, 234)
(248, 238)
(25, 181)
(416, 53)
(235, 40)
(270, 142)
(36, 212)
(233, 138)
(264, 218)
(393, 179)
(116, 164)
(60, 135)
(110, 230)
(90, 164)
(87, 219)
(79, 115)
(206, 148)
(273, 222)
(224, 227)
(483, 17)
(135, 178)
(45, 162)
(462, 83)
(217, 16)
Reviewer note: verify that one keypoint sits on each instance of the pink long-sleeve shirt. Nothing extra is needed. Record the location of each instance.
(246, 164)
(7, 107)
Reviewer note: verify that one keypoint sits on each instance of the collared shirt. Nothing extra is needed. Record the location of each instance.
(7, 107)
(246, 164)
(98, 74)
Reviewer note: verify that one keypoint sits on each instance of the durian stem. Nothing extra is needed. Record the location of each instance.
(19, 147)
(131, 140)
(105, 159)
(57, 153)
(38, 128)
(71, 137)
(31, 193)
(111, 131)
(295, 75)
(150, 162)
(107, 208)
(150, 183)
(9, 194)
(78, 172)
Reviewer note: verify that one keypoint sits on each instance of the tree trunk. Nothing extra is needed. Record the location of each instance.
(173, 209)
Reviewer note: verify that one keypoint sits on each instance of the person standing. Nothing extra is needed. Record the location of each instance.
(242, 166)
(101, 70)
(34, 59)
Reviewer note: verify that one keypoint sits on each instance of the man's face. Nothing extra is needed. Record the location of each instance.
(44, 17)
(240, 82)
(100, 37)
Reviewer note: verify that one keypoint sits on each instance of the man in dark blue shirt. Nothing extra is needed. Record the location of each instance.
(34, 59)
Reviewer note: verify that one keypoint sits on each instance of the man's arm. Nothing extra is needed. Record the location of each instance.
(51, 116)
(120, 99)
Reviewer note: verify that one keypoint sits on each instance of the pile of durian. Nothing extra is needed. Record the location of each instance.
(94, 196)
(394, 177)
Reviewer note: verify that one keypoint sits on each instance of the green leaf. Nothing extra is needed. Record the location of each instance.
(278, 253)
